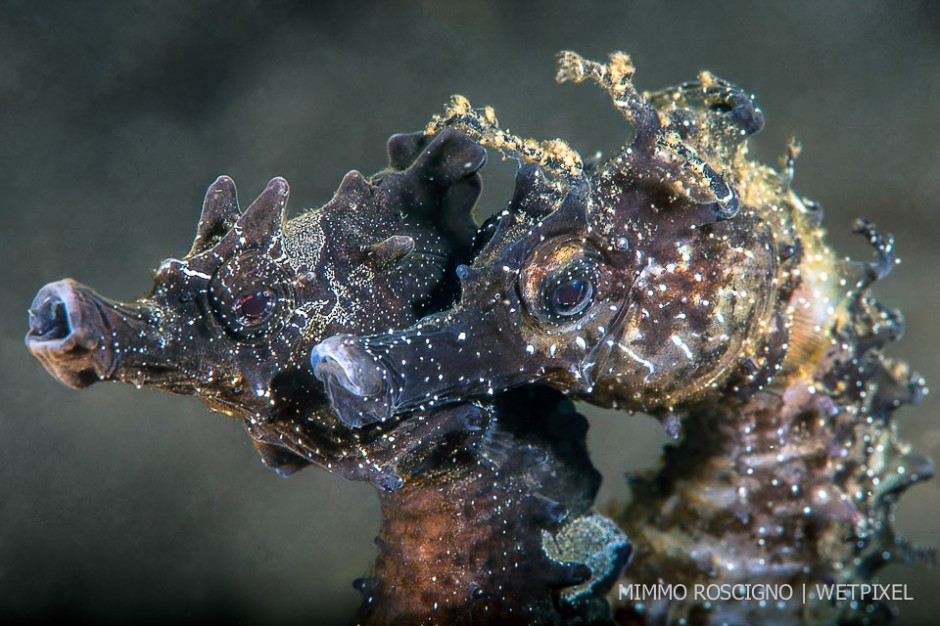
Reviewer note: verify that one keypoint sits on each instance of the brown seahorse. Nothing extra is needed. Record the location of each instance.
(230, 321)
(643, 283)
(233, 322)
(681, 278)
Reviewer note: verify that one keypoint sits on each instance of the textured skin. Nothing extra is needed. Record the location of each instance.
(696, 282)
(715, 299)
(474, 539)
(679, 263)
(797, 484)
(390, 239)
(473, 496)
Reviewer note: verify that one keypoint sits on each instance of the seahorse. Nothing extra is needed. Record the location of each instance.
(681, 278)
(649, 282)
(230, 321)
(233, 322)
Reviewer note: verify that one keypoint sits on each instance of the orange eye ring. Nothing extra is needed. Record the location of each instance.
(560, 284)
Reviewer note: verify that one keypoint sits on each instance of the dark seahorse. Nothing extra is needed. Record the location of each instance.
(503, 534)
(230, 321)
(645, 282)
(681, 278)
(233, 322)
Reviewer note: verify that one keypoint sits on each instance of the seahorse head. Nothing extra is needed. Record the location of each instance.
(233, 320)
(644, 282)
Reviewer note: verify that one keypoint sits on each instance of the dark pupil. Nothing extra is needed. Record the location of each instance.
(571, 297)
(254, 308)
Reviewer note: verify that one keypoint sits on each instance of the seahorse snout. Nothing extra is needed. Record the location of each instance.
(65, 334)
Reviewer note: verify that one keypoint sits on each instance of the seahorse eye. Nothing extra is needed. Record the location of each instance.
(560, 282)
(246, 294)
(572, 296)
(254, 308)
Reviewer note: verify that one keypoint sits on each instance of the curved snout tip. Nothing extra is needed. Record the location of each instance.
(342, 357)
(64, 334)
(355, 380)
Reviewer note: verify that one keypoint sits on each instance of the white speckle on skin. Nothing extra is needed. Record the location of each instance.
(679, 343)
(647, 364)
(184, 267)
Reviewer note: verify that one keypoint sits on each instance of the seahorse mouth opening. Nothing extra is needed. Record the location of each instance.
(357, 382)
(66, 330)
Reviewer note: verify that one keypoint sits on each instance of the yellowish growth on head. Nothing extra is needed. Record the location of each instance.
(564, 153)
(621, 70)
(663, 117)
(707, 79)
(556, 157)
(570, 67)
(459, 104)
(794, 148)
(490, 114)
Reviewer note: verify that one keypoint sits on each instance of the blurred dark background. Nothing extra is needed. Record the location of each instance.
(129, 506)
